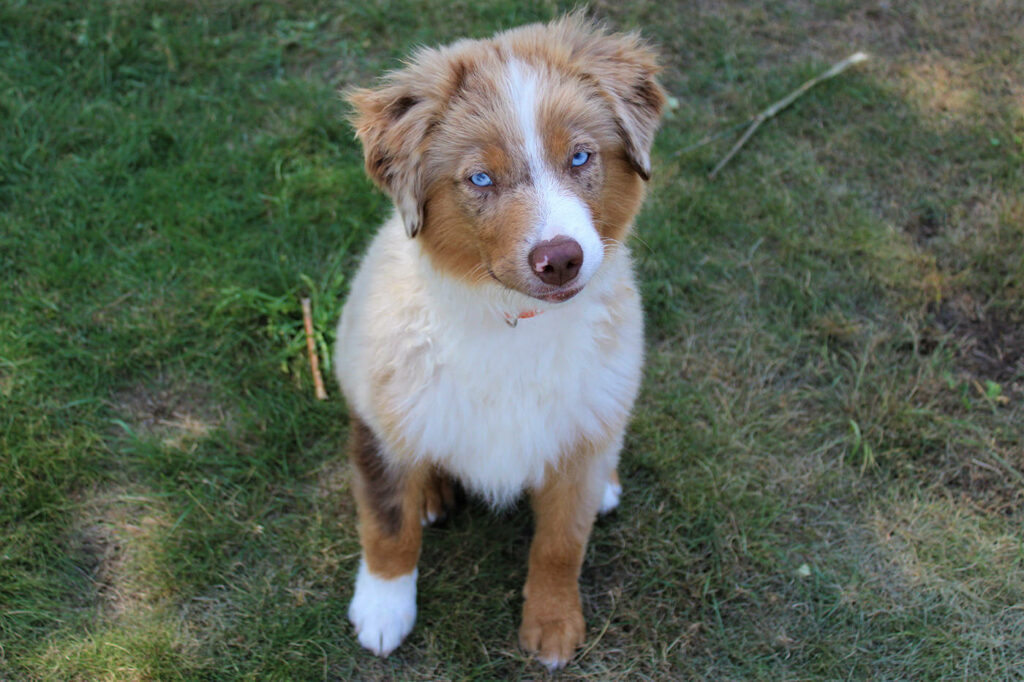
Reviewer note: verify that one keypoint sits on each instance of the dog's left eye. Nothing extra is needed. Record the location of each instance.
(481, 179)
(580, 158)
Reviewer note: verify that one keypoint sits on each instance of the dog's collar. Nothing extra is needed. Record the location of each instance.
(513, 319)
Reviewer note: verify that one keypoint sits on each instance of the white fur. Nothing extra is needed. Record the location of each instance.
(610, 500)
(383, 611)
(559, 211)
(491, 404)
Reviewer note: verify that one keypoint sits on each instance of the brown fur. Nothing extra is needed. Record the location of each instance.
(438, 495)
(390, 501)
(564, 509)
(378, 485)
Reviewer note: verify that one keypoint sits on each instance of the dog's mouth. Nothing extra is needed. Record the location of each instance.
(550, 295)
(560, 296)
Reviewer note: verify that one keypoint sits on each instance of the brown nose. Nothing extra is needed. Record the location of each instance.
(556, 261)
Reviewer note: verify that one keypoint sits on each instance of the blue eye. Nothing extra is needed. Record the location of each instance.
(580, 158)
(481, 179)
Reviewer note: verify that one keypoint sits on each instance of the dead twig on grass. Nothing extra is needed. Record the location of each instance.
(314, 360)
(783, 103)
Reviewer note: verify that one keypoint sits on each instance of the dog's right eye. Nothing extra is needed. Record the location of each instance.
(481, 179)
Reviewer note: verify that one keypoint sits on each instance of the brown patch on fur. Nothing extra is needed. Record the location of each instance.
(390, 503)
(498, 160)
(401, 107)
(447, 237)
(558, 143)
(621, 195)
(460, 69)
(564, 509)
(390, 555)
(379, 486)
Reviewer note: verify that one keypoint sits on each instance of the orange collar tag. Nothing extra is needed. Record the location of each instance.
(513, 320)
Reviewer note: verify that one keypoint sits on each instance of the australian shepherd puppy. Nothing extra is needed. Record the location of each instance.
(493, 334)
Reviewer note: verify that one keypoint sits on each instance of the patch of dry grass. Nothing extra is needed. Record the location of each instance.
(176, 414)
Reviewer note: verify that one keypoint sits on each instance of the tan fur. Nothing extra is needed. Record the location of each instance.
(564, 509)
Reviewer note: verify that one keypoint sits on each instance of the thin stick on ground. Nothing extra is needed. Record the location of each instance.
(314, 360)
(783, 103)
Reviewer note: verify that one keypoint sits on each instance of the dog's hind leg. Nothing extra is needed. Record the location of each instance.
(438, 497)
(612, 487)
(390, 501)
(612, 493)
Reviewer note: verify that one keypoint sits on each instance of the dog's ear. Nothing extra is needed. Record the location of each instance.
(625, 71)
(392, 123)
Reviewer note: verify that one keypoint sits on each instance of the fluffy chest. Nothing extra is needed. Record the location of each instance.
(495, 404)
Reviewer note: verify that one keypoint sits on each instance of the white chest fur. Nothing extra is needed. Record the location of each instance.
(436, 371)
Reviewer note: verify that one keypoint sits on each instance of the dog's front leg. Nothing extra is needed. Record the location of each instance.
(564, 509)
(390, 501)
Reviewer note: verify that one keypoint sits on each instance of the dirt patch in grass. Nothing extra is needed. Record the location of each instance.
(177, 413)
(101, 557)
(941, 87)
(111, 542)
(209, 616)
(924, 225)
(332, 480)
(987, 342)
(990, 486)
(990, 341)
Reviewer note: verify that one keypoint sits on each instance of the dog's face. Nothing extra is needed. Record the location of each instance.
(518, 159)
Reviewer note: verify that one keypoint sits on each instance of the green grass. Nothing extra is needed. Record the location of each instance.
(825, 473)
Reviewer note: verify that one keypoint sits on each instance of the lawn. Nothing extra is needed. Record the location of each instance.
(824, 477)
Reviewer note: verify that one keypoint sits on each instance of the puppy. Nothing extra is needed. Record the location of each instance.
(493, 334)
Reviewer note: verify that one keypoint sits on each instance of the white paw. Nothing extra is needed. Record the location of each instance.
(551, 664)
(612, 493)
(383, 611)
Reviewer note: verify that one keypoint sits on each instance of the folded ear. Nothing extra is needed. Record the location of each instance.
(392, 124)
(624, 69)
(638, 105)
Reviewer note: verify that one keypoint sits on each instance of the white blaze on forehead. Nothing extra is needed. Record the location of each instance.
(523, 87)
(559, 210)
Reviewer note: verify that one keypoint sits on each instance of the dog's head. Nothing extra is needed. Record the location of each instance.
(520, 158)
